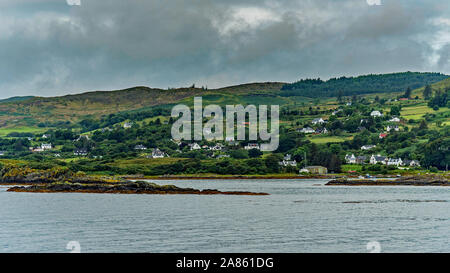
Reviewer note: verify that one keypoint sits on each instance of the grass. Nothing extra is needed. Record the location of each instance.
(329, 139)
(418, 111)
(23, 129)
(348, 168)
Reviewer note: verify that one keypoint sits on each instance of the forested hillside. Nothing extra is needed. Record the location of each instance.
(348, 86)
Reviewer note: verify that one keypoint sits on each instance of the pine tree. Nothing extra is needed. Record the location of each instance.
(427, 92)
(407, 93)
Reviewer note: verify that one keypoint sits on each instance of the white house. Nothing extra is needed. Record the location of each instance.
(411, 163)
(140, 147)
(392, 128)
(252, 146)
(2, 153)
(376, 114)
(45, 146)
(157, 153)
(127, 125)
(318, 121)
(368, 147)
(217, 147)
(378, 159)
(395, 162)
(307, 130)
(80, 152)
(194, 146)
(287, 163)
(350, 159)
(394, 119)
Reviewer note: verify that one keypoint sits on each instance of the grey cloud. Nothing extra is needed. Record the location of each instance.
(56, 49)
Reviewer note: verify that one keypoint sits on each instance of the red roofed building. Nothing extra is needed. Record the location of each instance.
(383, 135)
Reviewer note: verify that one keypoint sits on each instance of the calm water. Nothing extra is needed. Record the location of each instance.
(298, 216)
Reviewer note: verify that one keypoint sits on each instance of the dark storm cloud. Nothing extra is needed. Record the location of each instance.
(48, 47)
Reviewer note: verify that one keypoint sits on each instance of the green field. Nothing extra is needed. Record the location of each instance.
(34, 130)
(328, 139)
(418, 111)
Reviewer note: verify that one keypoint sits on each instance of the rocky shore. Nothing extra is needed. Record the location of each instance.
(425, 180)
(138, 187)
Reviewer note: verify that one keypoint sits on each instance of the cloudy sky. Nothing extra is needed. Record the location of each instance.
(48, 47)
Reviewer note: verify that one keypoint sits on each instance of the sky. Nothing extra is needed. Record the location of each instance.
(50, 48)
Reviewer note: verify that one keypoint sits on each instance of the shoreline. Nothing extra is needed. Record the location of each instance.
(403, 181)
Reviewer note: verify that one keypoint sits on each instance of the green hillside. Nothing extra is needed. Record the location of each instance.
(30, 112)
(348, 86)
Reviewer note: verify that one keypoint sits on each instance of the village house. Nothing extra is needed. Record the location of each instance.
(360, 160)
(314, 170)
(394, 119)
(306, 130)
(395, 162)
(376, 114)
(411, 163)
(127, 125)
(157, 153)
(46, 146)
(368, 147)
(80, 152)
(252, 146)
(378, 159)
(36, 150)
(382, 135)
(392, 128)
(222, 156)
(140, 147)
(194, 146)
(217, 147)
(2, 153)
(318, 121)
(322, 131)
(287, 163)
(46, 136)
(350, 159)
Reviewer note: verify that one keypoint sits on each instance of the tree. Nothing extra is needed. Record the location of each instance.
(423, 125)
(427, 92)
(273, 163)
(407, 93)
(395, 110)
(239, 154)
(254, 153)
(340, 96)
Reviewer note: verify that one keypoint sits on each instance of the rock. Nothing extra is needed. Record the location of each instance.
(424, 180)
(138, 187)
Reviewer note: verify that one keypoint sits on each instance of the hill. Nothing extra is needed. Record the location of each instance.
(16, 99)
(349, 86)
(34, 110)
(27, 112)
